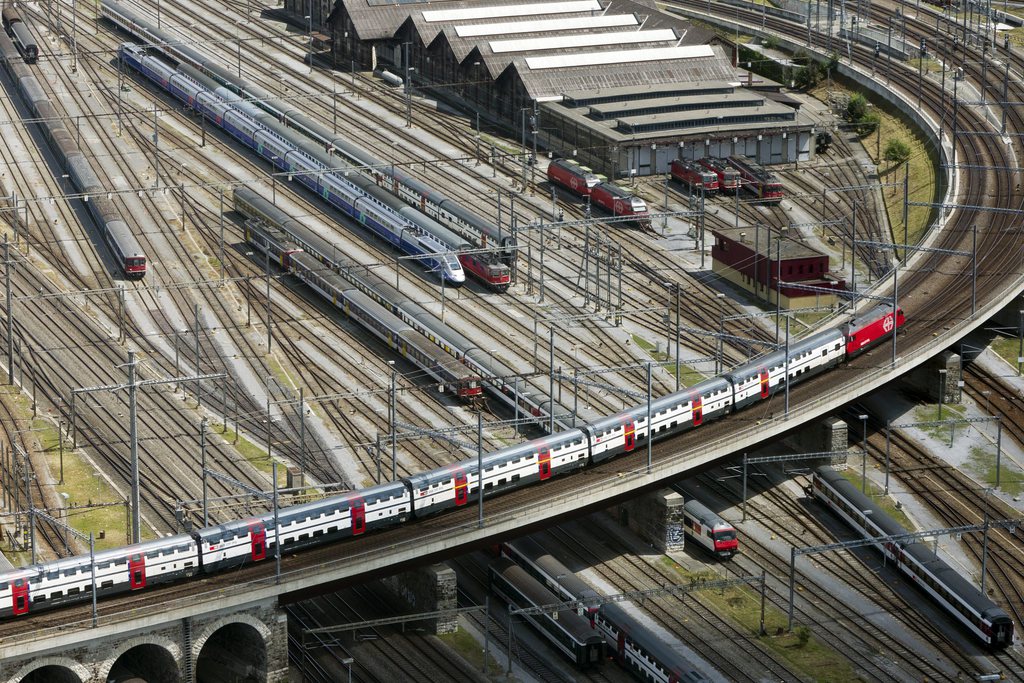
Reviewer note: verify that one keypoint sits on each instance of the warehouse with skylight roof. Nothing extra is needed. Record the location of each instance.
(619, 84)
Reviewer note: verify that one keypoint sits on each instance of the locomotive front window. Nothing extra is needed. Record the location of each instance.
(729, 535)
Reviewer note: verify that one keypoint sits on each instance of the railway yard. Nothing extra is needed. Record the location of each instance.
(304, 362)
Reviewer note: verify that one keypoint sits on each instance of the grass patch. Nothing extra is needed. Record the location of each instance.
(810, 319)
(92, 505)
(651, 349)
(471, 651)
(923, 183)
(981, 464)
(257, 456)
(279, 373)
(930, 413)
(86, 488)
(799, 648)
(928, 65)
(1007, 348)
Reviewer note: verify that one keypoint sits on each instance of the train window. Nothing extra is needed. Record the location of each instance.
(332, 529)
(515, 478)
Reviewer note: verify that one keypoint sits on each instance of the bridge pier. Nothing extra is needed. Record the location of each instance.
(248, 642)
(657, 517)
(940, 376)
(822, 436)
(428, 589)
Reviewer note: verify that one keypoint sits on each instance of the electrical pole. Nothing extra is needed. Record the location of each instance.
(133, 386)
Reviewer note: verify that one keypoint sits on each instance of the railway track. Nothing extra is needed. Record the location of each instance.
(734, 652)
(882, 654)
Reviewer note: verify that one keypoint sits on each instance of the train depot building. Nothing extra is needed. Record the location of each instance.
(753, 257)
(620, 86)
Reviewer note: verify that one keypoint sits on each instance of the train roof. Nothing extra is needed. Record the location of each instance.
(551, 566)
(921, 552)
(861, 502)
(577, 626)
(777, 359)
(702, 512)
(641, 635)
(867, 317)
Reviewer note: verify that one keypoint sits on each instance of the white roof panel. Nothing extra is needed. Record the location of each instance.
(654, 54)
(538, 8)
(588, 40)
(545, 25)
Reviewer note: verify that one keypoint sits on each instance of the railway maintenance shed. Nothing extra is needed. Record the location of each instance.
(753, 257)
(624, 86)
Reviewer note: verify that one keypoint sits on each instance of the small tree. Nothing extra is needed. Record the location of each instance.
(803, 635)
(856, 108)
(868, 123)
(896, 152)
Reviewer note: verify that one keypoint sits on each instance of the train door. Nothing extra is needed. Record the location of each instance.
(137, 571)
(19, 596)
(358, 516)
(257, 541)
(765, 385)
(461, 488)
(620, 645)
(697, 409)
(544, 463)
(630, 436)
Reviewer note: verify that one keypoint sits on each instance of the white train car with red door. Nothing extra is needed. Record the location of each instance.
(709, 530)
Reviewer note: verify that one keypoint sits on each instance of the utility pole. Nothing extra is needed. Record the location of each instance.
(10, 312)
(133, 386)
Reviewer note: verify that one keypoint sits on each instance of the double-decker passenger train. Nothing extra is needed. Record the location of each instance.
(450, 373)
(569, 633)
(628, 640)
(708, 530)
(491, 268)
(353, 513)
(400, 225)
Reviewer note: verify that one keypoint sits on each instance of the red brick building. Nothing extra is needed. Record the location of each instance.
(753, 258)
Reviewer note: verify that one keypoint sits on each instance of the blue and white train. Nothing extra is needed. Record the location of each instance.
(487, 267)
(419, 495)
(303, 165)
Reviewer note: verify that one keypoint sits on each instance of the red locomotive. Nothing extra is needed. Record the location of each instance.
(573, 177)
(764, 184)
(870, 328)
(620, 202)
(728, 177)
(583, 182)
(695, 176)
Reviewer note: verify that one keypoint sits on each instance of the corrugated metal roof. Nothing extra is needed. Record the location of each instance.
(585, 40)
(494, 11)
(546, 25)
(619, 57)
